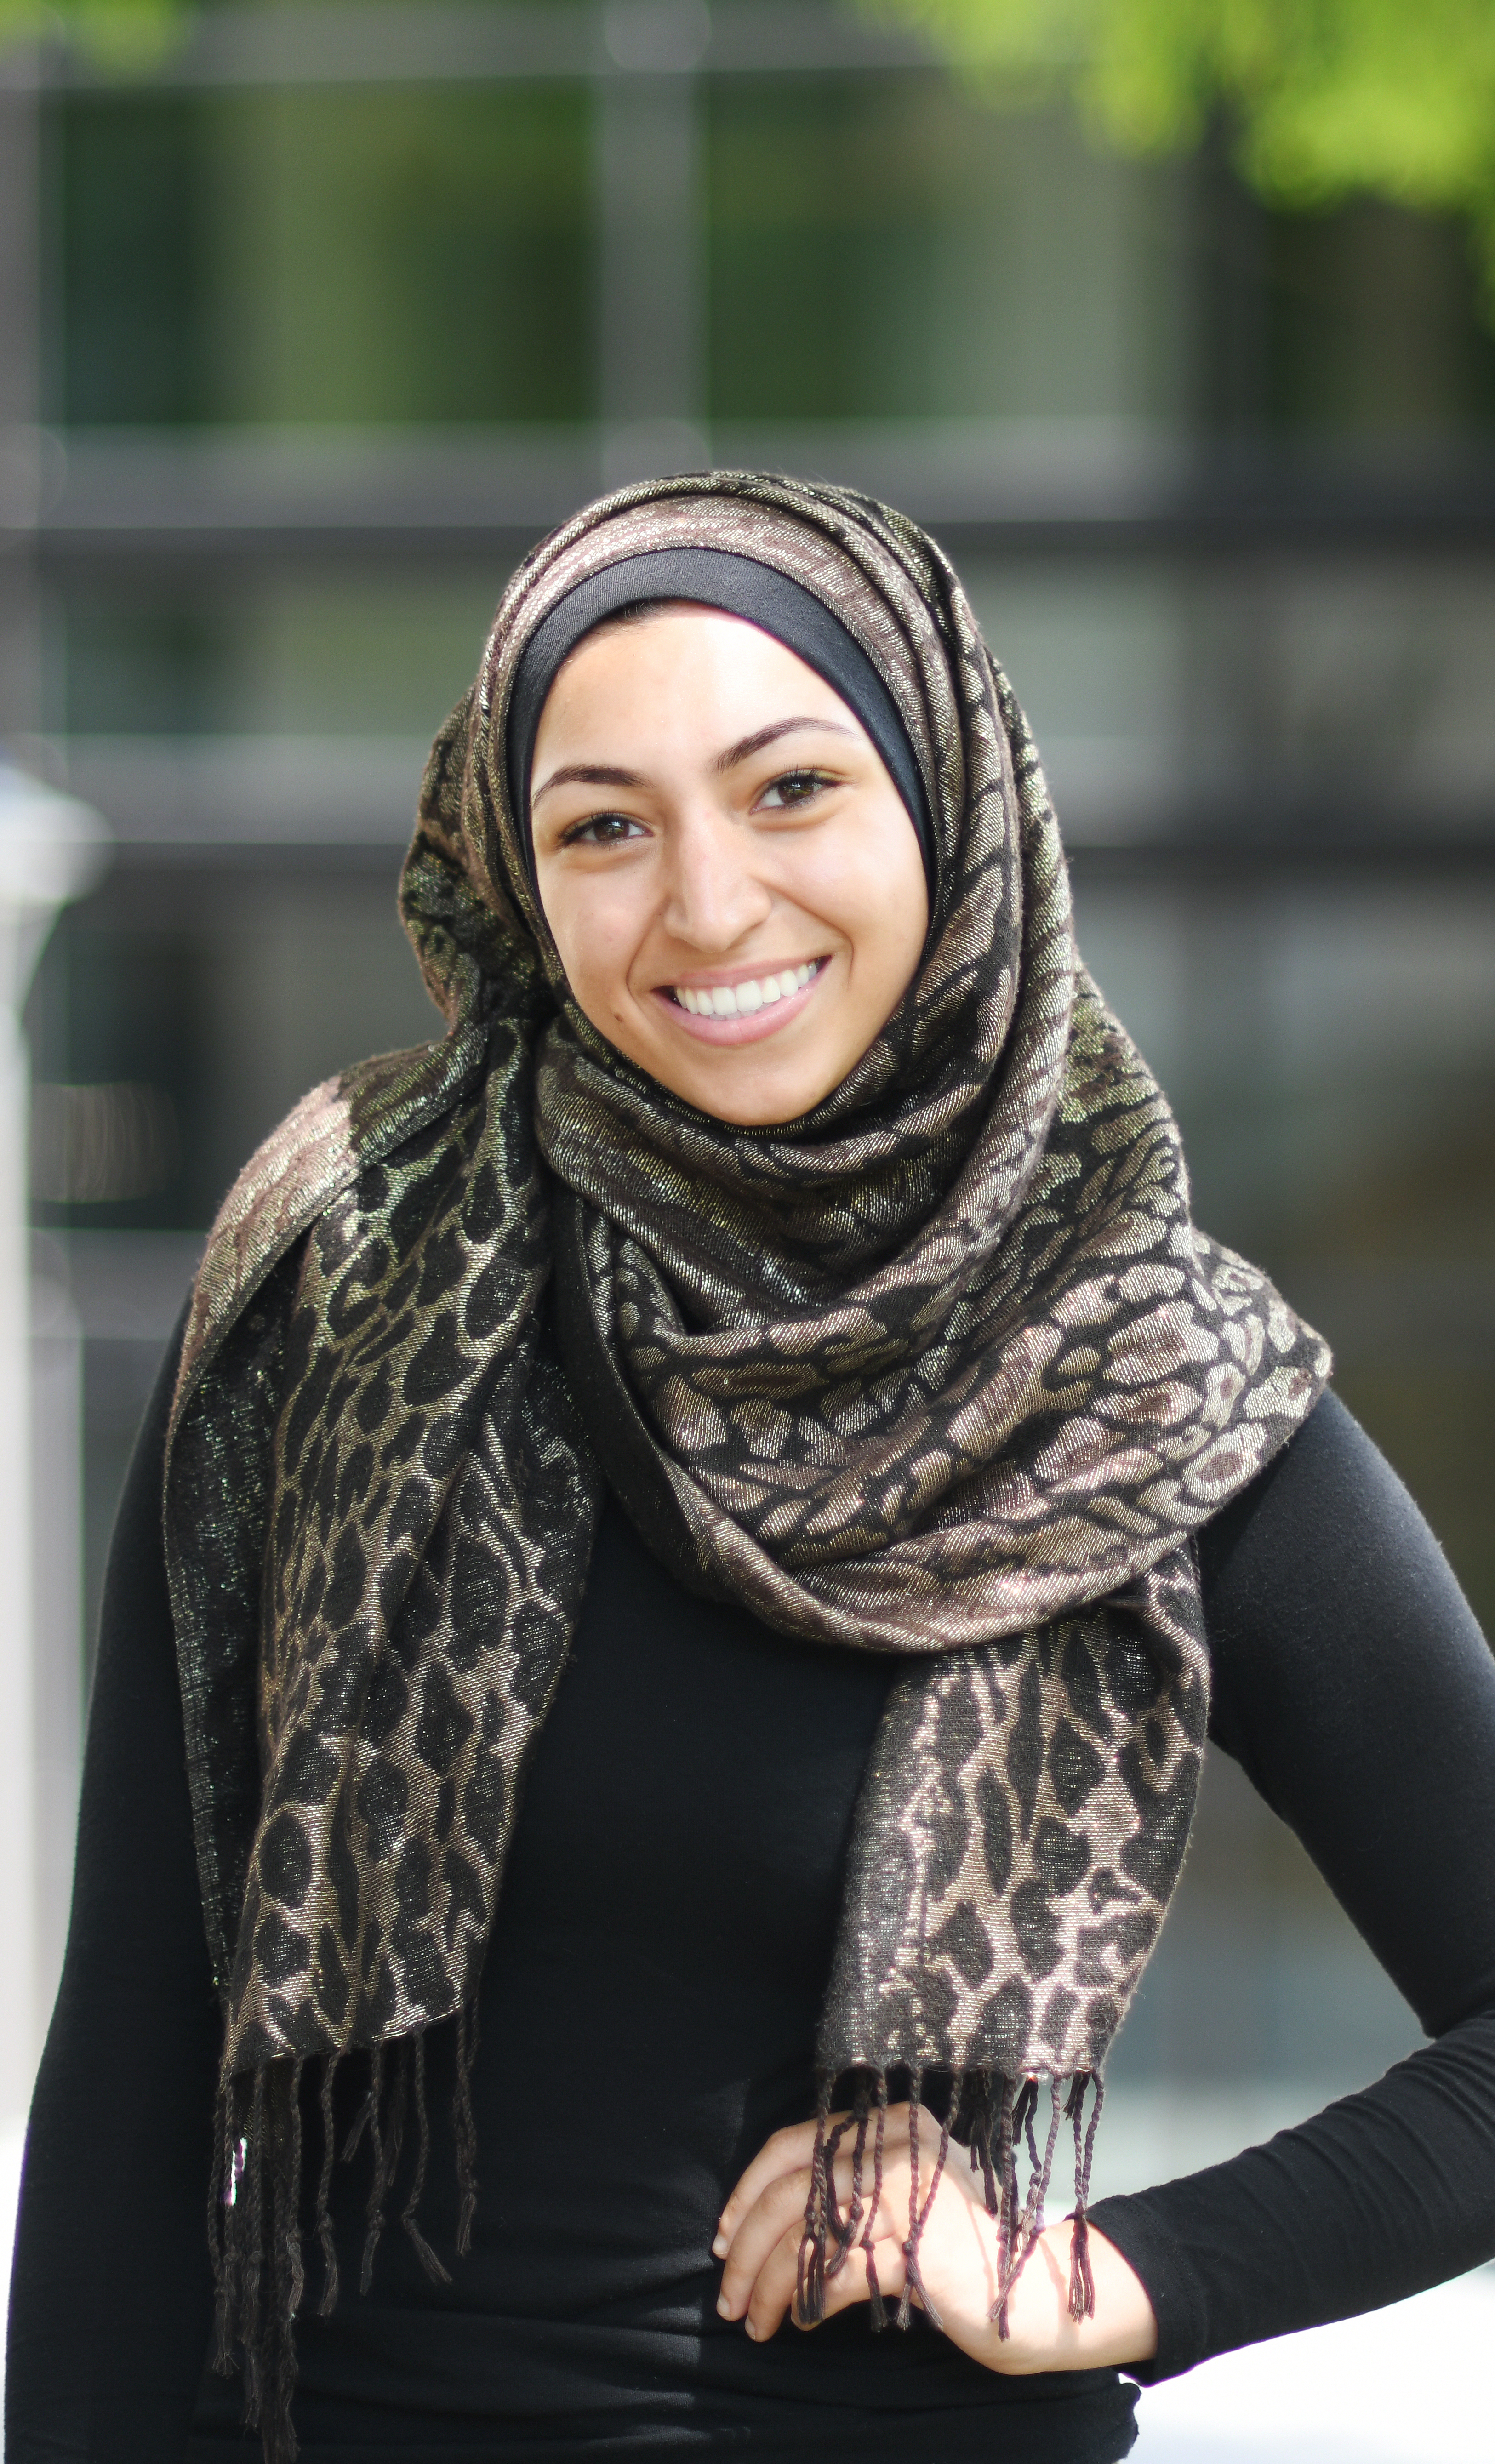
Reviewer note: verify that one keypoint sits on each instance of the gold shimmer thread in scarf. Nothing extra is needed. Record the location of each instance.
(942, 1370)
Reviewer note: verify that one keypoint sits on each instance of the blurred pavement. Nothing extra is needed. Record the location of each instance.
(1410, 2385)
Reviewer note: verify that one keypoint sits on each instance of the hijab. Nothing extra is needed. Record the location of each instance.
(943, 1369)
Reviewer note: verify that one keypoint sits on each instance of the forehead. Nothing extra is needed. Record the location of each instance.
(676, 662)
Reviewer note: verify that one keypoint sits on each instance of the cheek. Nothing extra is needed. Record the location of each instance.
(869, 885)
(597, 926)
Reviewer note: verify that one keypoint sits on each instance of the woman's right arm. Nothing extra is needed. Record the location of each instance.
(111, 2294)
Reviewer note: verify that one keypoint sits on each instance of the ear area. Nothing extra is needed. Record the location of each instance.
(475, 951)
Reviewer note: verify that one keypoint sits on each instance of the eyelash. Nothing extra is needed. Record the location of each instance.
(578, 837)
(809, 781)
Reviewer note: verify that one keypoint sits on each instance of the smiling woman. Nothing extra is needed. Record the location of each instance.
(739, 929)
(667, 1613)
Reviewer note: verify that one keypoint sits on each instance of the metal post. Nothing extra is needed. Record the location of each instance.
(52, 848)
(651, 272)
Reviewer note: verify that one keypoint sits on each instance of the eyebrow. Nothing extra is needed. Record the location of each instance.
(587, 774)
(748, 745)
(601, 774)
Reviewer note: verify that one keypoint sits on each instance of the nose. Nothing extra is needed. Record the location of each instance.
(712, 896)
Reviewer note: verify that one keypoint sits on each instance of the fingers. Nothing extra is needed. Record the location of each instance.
(788, 2152)
(772, 2297)
(775, 2217)
(763, 2240)
(850, 2284)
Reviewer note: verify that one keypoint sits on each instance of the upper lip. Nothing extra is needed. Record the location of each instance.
(703, 979)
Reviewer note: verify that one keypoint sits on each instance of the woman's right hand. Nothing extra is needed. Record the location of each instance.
(763, 2226)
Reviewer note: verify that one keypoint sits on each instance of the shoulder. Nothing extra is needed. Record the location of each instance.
(1331, 1612)
(334, 1133)
(1328, 1518)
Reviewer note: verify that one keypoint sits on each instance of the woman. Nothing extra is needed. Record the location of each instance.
(706, 1515)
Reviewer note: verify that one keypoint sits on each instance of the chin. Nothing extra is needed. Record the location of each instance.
(761, 1102)
(764, 1109)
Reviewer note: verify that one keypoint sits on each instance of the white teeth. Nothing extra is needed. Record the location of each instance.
(742, 1000)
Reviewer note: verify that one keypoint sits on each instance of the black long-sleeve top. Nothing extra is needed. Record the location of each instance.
(648, 2015)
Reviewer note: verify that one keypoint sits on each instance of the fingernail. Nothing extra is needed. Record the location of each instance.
(719, 2246)
(751, 2329)
(724, 2308)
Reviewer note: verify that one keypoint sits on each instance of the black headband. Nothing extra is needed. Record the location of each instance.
(713, 578)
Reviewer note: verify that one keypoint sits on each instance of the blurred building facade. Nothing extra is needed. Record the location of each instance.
(333, 313)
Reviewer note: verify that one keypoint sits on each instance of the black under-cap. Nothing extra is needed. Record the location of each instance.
(738, 586)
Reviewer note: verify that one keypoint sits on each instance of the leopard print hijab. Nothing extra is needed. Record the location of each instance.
(942, 1370)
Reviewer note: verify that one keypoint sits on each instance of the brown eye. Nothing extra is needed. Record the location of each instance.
(794, 787)
(603, 830)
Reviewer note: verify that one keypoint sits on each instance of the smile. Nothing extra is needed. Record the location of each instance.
(743, 1012)
(743, 1000)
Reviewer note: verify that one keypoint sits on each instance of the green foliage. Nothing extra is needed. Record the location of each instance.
(118, 37)
(1326, 98)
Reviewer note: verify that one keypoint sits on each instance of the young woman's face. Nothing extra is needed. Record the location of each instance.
(734, 883)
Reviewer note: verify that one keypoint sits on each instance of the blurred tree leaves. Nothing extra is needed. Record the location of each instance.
(1325, 99)
(118, 36)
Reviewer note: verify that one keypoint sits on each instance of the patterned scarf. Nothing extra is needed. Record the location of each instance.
(942, 1370)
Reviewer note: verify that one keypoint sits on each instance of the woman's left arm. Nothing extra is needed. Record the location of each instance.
(1354, 1686)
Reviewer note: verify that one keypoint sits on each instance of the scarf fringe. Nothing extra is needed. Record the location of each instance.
(256, 2200)
(995, 2119)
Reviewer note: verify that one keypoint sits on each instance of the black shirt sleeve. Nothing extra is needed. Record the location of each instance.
(111, 2290)
(1354, 1687)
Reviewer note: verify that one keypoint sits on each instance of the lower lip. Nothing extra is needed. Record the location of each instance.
(766, 1021)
